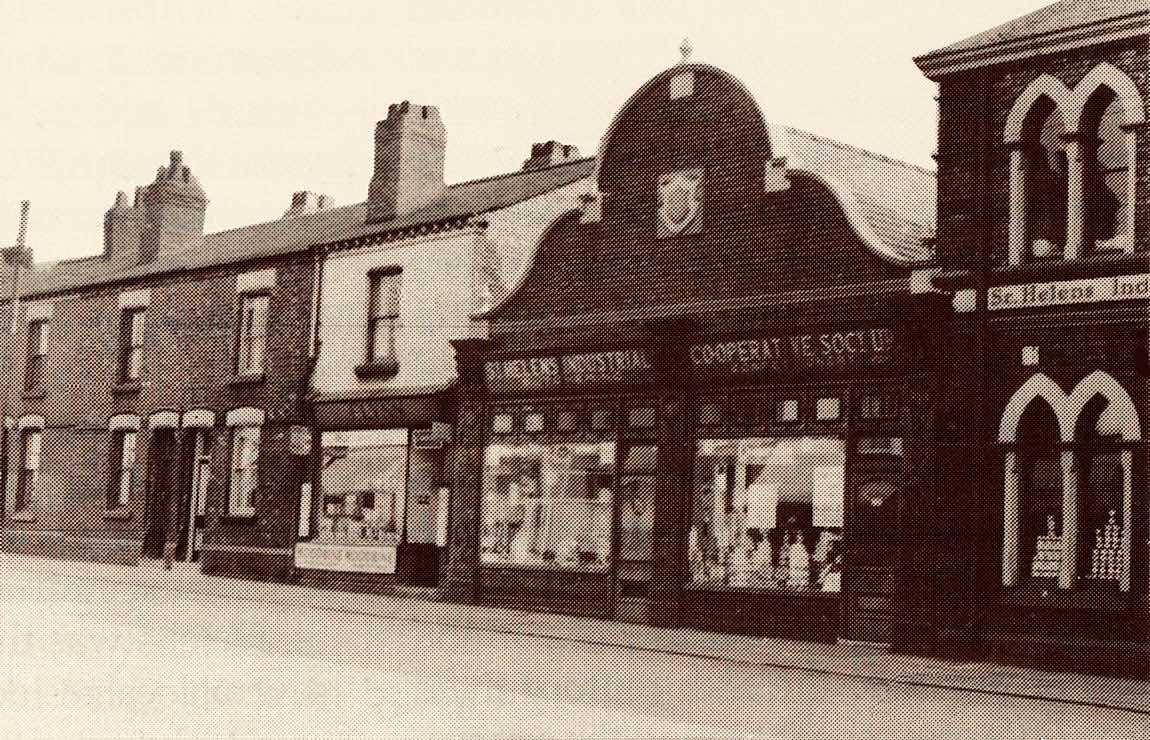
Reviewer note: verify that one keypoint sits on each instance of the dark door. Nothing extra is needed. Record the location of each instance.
(161, 481)
(872, 546)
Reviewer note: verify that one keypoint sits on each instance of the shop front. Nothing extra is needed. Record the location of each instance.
(753, 485)
(375, 514)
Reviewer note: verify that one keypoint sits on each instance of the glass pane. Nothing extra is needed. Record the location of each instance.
(383, 339)
(767, 513)
(127, 450)
(362, 487)
(548, 504)
(32, 442)
(636, 517)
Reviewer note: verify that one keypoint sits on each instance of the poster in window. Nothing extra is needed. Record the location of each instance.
(827, 505)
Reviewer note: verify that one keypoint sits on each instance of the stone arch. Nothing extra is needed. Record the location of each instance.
(1038, 386)
(1045, 86)
(1109, 76)
(1120, 412)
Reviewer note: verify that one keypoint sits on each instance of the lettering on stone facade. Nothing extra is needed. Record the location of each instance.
(1063, 292)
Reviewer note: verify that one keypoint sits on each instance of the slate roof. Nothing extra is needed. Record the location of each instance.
(298, 233)
(897, 198)
(1053, 18)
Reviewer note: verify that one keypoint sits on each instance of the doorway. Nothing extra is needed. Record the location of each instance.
(161, 482)
(871, 546)
(199, 467)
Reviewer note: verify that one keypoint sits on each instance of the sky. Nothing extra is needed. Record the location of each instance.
(267, 98)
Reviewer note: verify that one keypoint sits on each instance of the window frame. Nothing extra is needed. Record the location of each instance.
(28, 477)
(239, 474)
(36, 354)
(246, 340)
(376, 279)
(132, 346)
(118, 497)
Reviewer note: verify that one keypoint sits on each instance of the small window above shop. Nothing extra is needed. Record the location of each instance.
(602, 419)
(502, 423)
(641, 418)
(829, 409)
(787, 410)
(533, 422)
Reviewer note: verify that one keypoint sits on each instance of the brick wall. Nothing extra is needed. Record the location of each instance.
(190, 341)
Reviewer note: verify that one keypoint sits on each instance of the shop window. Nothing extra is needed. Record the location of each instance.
(787, 411)
(383, 316)
(767, 513)
(1103, 470)
(29, 477)
(362, 487)
(1107, 163)
(37, 355)
(251, 338)
(502, 423)
(244, 476)
(548, 505)
(131, 344)
(124, 469)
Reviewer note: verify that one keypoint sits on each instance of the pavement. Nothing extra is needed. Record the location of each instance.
(104, 650)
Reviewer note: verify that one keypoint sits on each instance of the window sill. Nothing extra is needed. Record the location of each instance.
(22, 516)
(551, 567)
(119, 515)
(34, 394)
(246, 380)
(239, 518)
(778, 593)
(384, 369)
(127, 387)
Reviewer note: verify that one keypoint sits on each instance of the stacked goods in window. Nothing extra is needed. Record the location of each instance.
(1047, 552)
(1106, 562)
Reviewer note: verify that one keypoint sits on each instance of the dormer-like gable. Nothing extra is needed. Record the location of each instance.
(701, 204)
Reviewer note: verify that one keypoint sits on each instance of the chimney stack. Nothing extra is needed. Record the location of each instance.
(409, 153)
(549, 154)
(174, 206)
(122, 225)
(305, 201)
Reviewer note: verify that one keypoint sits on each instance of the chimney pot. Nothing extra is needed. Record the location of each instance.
(550, 153)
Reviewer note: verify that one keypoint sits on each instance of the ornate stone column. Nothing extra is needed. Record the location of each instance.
(460, 576)
(1069, 569)
(1075, 199)
(1018, 214)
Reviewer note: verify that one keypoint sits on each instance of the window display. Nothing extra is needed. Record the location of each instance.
(548, 504)
(768, 513)
(362, 482)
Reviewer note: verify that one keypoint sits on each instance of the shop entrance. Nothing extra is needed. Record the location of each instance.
(872, 540)
(161, 480)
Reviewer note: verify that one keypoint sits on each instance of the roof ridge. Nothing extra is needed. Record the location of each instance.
(868, 152)
(514, 173)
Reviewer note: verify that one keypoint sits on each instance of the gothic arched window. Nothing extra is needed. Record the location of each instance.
(1044, 147)
(1106, 162)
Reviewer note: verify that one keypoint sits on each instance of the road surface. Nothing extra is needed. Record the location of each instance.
(97, 659)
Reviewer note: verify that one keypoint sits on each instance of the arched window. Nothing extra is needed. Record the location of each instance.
(1107, 164)
(1038, 472)
(1068, 484)
(1044, 146)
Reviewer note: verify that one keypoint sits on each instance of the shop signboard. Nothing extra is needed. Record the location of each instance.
(1066, 292)
(585, 369)
(867, 347)
(346, 558)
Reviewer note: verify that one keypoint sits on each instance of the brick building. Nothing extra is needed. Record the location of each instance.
(706, 401)
(162, 388)
(1044, 226)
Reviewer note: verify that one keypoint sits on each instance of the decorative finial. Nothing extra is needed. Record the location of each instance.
(685, 51)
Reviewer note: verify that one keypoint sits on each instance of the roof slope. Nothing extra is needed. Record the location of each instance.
(1053, 18)
(897, 198)
(298, 233)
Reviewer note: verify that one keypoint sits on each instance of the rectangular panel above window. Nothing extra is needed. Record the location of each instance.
(257, 281)
(135, 298)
